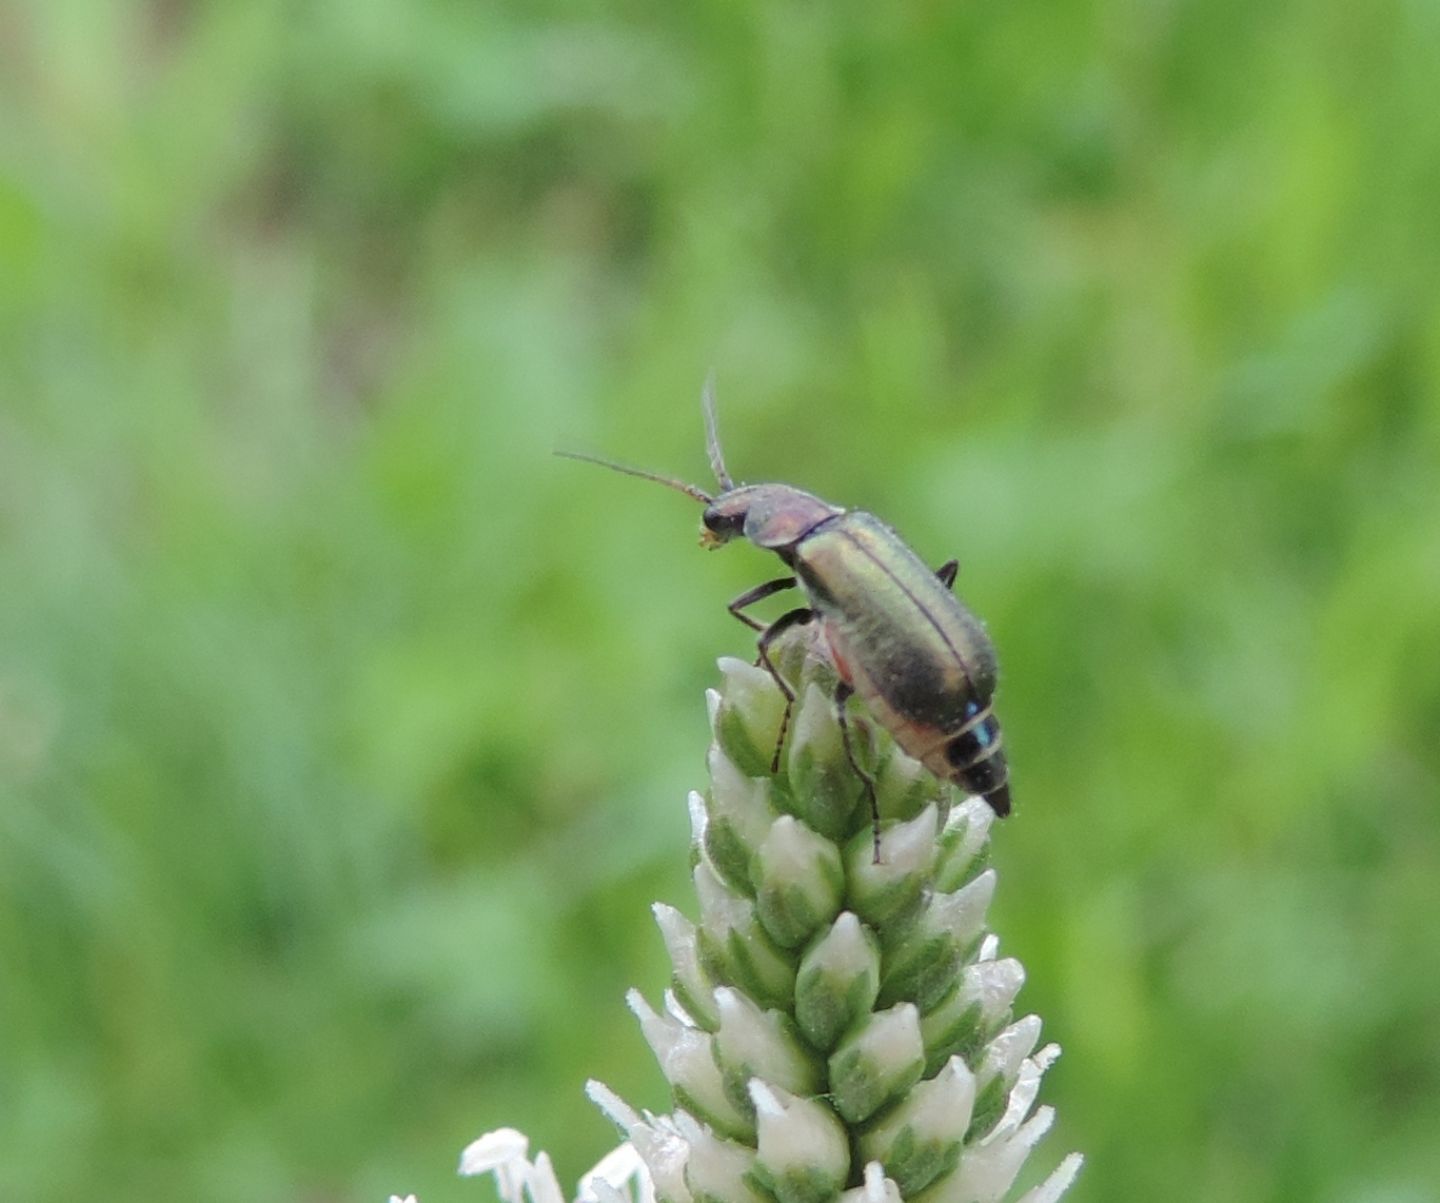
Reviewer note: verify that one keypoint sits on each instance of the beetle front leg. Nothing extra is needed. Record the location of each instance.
(843, 692)
(771, 633)
(946, 572)
(759, 593)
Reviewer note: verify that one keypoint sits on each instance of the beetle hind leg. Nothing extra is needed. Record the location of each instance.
(768, 636)
(843, 693)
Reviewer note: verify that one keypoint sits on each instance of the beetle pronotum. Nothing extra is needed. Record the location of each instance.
(899, 638)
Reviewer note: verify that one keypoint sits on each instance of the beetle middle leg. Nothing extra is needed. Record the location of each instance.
(843, 692)
(770, 634)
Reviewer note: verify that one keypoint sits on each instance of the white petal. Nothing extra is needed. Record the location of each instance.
(665, 1155)
(1046, 1057)
(1057, 1184)
(657, 1142)
(962, 912)
(687, 1059)
(601, 1191)
(977, 817)
(493, 1150)
(616, 1109)
(988, 1171)
(614, 1174)
(994, 984)
(544, 1186)
(1024, 1093)
(676, 1010)
(718, 1169)
(799, 1135)
(742, 801)
(698, 818)
(503, 1153)
(1005, 1053)
(877, 1188)
(757, 1041)
(906, 848)
(935, 1112)
(1022, 1097)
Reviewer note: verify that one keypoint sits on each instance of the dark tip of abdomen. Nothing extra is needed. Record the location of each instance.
(999, 800)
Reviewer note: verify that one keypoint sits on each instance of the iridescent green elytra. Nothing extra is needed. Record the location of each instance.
(921, 663)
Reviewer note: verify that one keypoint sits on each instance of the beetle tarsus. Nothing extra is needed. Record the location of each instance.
(947, 573)
(842, 695)
(780, 738)
(777, 628)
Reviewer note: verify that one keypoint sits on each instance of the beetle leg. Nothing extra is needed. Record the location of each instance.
(946, 572)
(759, 593)
(771, 633)
(843, 691)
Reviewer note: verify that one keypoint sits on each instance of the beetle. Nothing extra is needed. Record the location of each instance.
(899, 638)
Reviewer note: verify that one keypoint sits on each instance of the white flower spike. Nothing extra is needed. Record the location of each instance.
(836, 1030)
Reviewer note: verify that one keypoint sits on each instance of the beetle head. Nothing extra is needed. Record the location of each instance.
(724, 518)
(774, 517)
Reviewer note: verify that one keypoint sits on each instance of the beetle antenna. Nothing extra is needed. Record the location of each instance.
(712, 434)
(679, 486)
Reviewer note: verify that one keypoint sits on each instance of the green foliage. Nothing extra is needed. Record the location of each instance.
(344, 735)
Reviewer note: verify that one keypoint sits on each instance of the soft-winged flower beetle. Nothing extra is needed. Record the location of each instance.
(919, 660)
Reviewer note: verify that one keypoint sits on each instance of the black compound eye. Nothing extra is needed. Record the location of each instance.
(717, 522)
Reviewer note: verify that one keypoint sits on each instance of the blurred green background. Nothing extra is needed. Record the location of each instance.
(345, 733)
